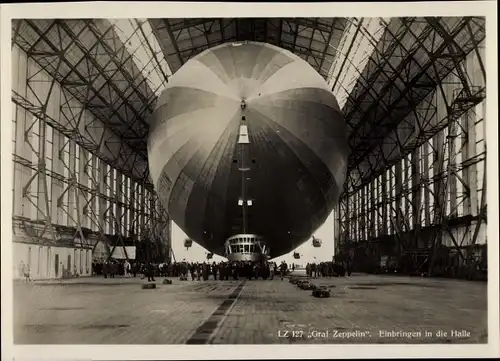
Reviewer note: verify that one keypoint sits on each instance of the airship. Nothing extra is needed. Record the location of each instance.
(247, 150)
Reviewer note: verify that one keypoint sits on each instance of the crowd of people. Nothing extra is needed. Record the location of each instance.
(113, 267)
(193, 270)
(325, 269)
(214, 270)
(204, 270)
(226, 270)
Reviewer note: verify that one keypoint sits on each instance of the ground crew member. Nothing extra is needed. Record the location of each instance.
(282, 269)
(151, 272)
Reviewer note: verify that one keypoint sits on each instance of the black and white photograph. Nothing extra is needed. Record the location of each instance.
(251, 179)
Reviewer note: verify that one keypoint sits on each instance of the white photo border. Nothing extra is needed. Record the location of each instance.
(173, 10)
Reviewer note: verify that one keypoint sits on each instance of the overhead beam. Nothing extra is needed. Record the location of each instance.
(173, 41)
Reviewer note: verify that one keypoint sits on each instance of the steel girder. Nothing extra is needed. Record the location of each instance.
(104, 143)
(36, 230)
(97, 71)
(37, 234)
(380, 161)
(74, 192)
(418, 73)
(313, 39)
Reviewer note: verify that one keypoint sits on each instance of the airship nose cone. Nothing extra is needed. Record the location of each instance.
(244, 88)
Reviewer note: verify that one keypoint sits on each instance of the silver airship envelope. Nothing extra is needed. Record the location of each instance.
(297, 142)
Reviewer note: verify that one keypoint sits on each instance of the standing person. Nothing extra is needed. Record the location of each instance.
(215, 269)
(282, 269)
(198, 271)
(114, 269)
(126, 269)
(120, 268)
(184, 270)
(111, 269)
(180, 271)
(25, 272)
(271, 270)
(142, 269)
(105, 269)
(248, 269)
(22, 270)
(205, 270)
(233, 271)
(191, 270)
(265, 270)
(150, 272)
(226, 271)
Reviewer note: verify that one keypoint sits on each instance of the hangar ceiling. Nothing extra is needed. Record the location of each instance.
(313, 39)
(380, 69)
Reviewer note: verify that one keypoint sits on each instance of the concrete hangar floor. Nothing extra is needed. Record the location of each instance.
(361, 309)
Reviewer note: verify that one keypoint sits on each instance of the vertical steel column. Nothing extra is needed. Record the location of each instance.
(416, 205)
(41, 203)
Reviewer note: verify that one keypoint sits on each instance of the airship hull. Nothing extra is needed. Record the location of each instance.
(295, 147)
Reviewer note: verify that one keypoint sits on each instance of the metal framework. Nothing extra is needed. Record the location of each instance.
(412, 91)
(313, 39)
(413, 144)
(83, 86)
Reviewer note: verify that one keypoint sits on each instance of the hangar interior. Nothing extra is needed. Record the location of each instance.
(412, 91)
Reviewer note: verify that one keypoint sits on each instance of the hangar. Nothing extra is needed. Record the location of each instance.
(412, 91)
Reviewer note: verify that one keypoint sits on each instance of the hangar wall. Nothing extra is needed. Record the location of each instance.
(432, 195)
(66, 192)
(47, 262)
